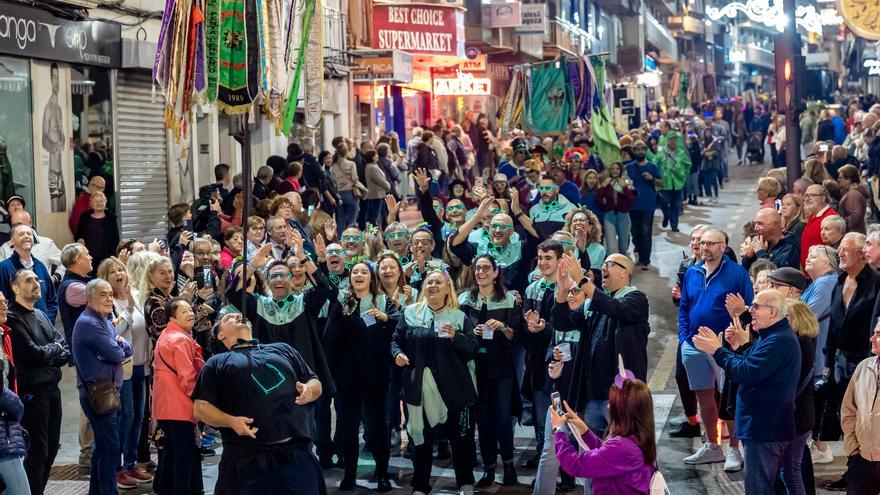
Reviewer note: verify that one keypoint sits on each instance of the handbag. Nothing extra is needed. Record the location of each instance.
(104, 397)
(359, 189)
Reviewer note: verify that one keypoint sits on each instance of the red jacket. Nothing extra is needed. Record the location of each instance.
(811, 236)
(607, 199)
(80, 206)
(177, 362)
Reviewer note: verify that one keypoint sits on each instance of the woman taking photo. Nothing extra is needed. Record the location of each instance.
(792, 211)
(177, 364)
(615, 198)
(624, 461)
(131, 326)
(495, 314)
(358, 341)
(433, 343)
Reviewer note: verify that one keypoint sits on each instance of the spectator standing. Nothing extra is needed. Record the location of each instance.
(39, 353)
(178, 361)
(831, 230)
(825, 128)
(816, 208)
(346, 175)
(854, 203)
(44, 248)
(13, 448)
(263, 181)
(98, 230)
(769, 242)
(99, 352)
(793, 220)
(81, 204)
(646, 177)
(711, 165)
(674, 164)
(22, 258)
(861, 424)
(377, 187)
(821, 267)
(72, 289)
(615, 198)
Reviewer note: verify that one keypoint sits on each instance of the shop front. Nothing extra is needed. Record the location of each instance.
(471, 88)
(58, 75)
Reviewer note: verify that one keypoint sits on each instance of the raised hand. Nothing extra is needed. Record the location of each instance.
(393, 206)
(261, 257)
(421, 177)
(320, 247)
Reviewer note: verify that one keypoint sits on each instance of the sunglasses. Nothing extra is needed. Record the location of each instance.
(335, 252)
(352, 238)
(422, 242)
(547, 188)
(500, 226)
(280, 276)
(495, 211)
(450, 209)
(438, 208)
(396, 235)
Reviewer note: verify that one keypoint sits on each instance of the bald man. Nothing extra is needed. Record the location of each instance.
(770, 243)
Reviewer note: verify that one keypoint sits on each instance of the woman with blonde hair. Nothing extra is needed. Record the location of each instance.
(792, 211)
(434, 343)
(815, 171)
(768, 190)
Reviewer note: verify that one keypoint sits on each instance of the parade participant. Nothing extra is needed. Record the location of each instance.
(615, 198)
(422, 246)
(860, 423)
(770, 242)
(625, 461)
(357, 341)
(646, 177)
(393, 283)
(39, 354)
(675, 165)
(397, 240)
(99, 352)
(767, 374)
(703, 296)
(256, 394)
(177, 364)
(548, 215)
(433, 342)
(495, 314)
(816, 208)
(352, 240)
(22, 258)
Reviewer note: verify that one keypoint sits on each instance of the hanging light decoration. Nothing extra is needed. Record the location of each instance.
(772, 15)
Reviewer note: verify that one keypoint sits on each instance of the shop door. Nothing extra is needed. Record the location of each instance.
(142, 171)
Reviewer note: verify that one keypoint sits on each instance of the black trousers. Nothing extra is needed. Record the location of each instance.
(42, 420)
(180, 464)
(863, 477)
(357, 400)
(642, 231)
(460, 432)
(688, 397)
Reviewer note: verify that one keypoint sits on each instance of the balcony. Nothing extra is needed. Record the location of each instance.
(760, 57)
(660, 38)
(336, 58)
(665, 8)
(686, 25)
(565, 38)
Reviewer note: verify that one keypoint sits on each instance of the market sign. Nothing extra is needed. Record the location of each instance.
(424, 29)
(502, 15)
(534, 19)
(382, 66)
(35, 33)
(463, 85)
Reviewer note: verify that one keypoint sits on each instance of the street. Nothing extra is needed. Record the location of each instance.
(737, 205)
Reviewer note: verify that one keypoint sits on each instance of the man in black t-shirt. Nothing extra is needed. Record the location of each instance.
(256, 395)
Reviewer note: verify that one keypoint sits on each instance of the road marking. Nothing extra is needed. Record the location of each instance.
(664, 367)
(662, 408)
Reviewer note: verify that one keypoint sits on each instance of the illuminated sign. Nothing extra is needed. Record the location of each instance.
(426, 29)
(463, 85)
(772, 15)
(873, 66)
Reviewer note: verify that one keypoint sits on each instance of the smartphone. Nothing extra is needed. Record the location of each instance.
(187, 224)
(204, 277)
(778, 204)
(557, 403)
(311, 210)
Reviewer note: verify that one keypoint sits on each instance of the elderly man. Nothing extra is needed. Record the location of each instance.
(262, 182)
(72, 290)
(279, 236)
(853, 313)
(816, 208)
(861, 424)
(44, 248)
(99, 353)
(81, 205)
(767, 374)
(704, 293)
(22, 258)
(266, 429)
(831, 230)
(871, 250)
(770, 242)
(790, 282)
(39, 353)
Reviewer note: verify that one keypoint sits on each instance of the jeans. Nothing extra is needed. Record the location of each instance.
(132, 436)
(763, 461)
(126, 416)
(710, 183)
(373, 211)
(617, 231)
(863, 476)
(346, 212)
(42, 420)
(642, 231)
(692, 185)
(494, 418)
(105, 457)
(459, 431)
(843, 371)
(12, 471)
(180, 465)
(548, 467)
(791, 472)
(540, 404)
(670, 203)
(300, 476)
(596, 416)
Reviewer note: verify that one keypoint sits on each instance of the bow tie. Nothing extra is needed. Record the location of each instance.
(544, 285)
(551, 205)
(405, 260)
(334, 278)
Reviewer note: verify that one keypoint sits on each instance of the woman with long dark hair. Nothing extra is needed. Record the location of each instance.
(358, 343)
(625, 461)
(496, 315)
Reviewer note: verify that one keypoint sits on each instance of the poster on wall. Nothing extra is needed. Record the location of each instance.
(52, 127)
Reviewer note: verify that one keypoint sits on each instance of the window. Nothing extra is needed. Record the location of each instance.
(16, 132)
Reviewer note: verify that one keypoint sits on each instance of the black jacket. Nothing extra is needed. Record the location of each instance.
(312, 174)
(786, 252)
(804, 410)
(850, 329)
(38, 349)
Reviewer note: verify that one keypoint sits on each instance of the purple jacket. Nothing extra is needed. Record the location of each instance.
(616, 466)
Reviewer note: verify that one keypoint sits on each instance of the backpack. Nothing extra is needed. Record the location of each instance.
(658, 484)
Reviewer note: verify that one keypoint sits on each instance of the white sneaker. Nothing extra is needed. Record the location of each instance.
(708, 454)
(820, 457)
(733, 461)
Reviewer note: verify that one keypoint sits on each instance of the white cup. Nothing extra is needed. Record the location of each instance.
(565, 350)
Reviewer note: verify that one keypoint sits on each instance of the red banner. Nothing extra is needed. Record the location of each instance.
(428, 29)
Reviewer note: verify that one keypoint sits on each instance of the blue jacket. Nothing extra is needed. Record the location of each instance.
(11, 436)
(97, 354)
(48, 303)
(818, 297)
(703, 296)
(768, 377)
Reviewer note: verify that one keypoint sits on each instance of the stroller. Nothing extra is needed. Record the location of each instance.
(755, 147)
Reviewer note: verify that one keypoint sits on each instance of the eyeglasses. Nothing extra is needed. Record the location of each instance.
(450, 209)
(547, 188)
(756, 306)
(483, 268)
(352, 238)
(609, 264)
(813, 195)
(500, 226)
(574, 291)
(438, 207)
(710, 243)
(580, 220)
(396, 235)
(776, 285)
(422, 242)
(280, 276)
(257, 228)
(335, 252)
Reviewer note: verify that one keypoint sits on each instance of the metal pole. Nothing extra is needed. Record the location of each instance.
(792, 114)
(244, 136)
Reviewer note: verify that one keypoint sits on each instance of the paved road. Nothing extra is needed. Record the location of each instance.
(737, 205)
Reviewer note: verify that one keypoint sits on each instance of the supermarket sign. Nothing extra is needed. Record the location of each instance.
(422, 29)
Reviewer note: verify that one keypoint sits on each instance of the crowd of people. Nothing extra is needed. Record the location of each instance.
(429, 295)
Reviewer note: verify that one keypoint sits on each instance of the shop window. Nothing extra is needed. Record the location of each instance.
(92, 109)
(16, 133)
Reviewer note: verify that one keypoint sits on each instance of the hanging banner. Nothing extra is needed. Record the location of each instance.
(293, 93)
(502, 15)
(427, 29)
(238, 56)
(551, 101)
(315, 70)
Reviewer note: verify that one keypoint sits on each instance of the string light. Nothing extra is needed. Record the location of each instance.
(772, 15)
